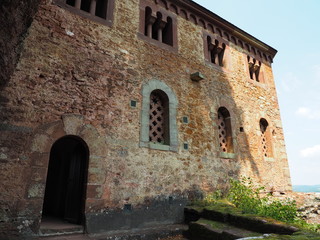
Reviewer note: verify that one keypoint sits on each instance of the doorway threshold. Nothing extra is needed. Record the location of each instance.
(51, 226)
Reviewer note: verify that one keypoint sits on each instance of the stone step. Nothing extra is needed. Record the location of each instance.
(204, 229)
(250, 222)
(234, 217)
(56, 231)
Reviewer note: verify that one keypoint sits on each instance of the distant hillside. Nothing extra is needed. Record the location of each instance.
(306, 188)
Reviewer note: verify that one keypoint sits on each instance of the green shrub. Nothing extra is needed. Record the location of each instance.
(246, 196)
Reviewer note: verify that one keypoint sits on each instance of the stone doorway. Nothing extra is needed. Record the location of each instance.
(64, 198)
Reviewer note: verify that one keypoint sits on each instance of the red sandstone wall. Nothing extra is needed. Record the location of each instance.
(71, 65)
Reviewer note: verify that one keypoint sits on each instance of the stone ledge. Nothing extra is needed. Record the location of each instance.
(233, 217)
(206, 229)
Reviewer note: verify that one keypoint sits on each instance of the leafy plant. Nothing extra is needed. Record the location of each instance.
(246, 196)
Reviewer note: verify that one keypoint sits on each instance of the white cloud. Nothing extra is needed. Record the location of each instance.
(302, 111)
(310, 152)
(308, 113)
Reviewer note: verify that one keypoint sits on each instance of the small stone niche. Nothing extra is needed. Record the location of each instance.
(186, 146)
(133, 103)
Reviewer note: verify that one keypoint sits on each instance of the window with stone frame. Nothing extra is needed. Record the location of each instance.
(159, 118)
(265, 140)
(97, 10)
(158, 27)
(254, 68)
(224, 130)
(216, 50)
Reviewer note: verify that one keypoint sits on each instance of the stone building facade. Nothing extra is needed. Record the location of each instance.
(118, 112)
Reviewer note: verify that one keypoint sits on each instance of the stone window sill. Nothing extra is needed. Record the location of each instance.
(158, 146)
(259, 84)
(227, 155)
(216, 67)
(269, 159)
(155, 42)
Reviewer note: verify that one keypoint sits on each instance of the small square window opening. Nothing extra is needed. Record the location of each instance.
(185, 146)
(133, 103)
(185, 120)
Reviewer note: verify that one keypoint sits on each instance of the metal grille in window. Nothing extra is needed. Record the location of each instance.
(264, 144)
(156, 119)
(222, 132)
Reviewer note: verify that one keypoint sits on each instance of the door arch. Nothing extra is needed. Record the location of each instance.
(66, 180)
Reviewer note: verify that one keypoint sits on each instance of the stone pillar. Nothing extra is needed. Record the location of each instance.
(93, 7)
(256, 69)
(251, 64)
(77, 4)
(149, 22)
(161, 26)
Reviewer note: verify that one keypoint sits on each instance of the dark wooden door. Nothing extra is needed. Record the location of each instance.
(66, 179)
(75, 186)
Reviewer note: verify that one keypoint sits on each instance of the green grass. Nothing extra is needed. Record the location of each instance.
(243, 197)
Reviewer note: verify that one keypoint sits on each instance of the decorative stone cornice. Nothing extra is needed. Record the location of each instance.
(211, 22)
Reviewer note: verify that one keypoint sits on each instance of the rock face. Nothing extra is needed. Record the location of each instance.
(79, 98)
(308, 205)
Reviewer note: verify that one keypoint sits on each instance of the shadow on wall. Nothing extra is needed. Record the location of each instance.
(15, 19)
(242, 146)
(230, 137)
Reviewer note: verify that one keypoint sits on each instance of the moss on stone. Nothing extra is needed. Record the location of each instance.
(223, 218)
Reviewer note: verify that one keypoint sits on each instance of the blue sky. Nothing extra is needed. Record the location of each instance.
(291, 27)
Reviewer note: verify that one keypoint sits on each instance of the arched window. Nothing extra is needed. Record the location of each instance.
(254, 68)
(158, 27)
(168, 32)
(265, 138)
(159, 118)
(97, 10)
(225, 131)
(216, 51)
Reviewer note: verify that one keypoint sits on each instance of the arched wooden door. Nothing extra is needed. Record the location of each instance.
(66, 180)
